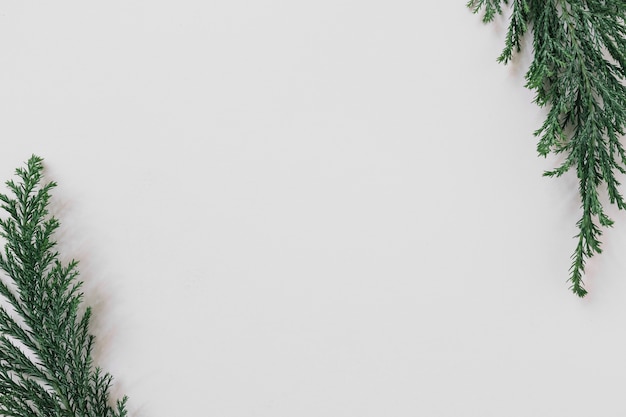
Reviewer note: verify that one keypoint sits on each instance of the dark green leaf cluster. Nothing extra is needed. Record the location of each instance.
(577, 72)
(46, 365)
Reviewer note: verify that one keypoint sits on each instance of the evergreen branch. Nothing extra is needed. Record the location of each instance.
(46, 364)
(578, 71)
(491, 7)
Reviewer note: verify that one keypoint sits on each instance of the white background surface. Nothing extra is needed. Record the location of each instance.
(328, 208)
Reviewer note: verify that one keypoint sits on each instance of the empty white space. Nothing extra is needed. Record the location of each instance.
(304, 209)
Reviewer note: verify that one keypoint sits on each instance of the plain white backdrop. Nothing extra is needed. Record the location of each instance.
(328, 208)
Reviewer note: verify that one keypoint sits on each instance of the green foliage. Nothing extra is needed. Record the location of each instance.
(578, 72)
(46, 365)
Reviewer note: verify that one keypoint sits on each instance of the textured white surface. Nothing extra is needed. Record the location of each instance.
(328, 208)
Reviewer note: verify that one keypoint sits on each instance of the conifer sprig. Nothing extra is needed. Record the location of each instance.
(578, 72)
(46, 364)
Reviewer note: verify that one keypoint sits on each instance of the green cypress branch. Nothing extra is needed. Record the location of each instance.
(46, 364)
(578, 72)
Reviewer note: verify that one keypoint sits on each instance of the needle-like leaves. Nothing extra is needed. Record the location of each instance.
(46, 365)
(578, 72)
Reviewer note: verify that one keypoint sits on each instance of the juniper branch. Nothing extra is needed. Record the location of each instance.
(46, 363)
(578, 72)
